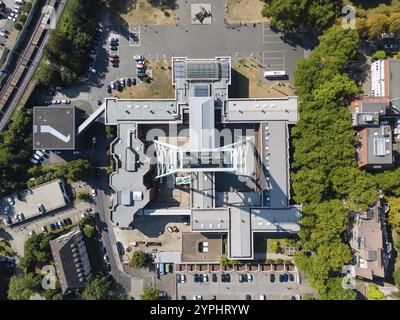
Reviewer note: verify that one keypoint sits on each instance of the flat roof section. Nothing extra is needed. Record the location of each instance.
(240, 236)
(394, 81)
(278, 163)
(118, 110)
(54, 128)
(253, 109)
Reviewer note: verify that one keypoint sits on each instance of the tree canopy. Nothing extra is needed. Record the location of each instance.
(325, 178)
(69, 45)
(149, 294)
(21, 287)
(15, 150)
(138, 260)
(98, 289)
(292, 15)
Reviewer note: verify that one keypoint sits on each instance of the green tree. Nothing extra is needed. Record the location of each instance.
(394, 212)
(88, 230)
(275, 246)
(22, 287)
(47, 75)
(79, 170)
(374, 293)
(138, 260)
(149, 294)
(379, 55)
(292, 15)
(98, 289)
(396, 276)
(377, 24)
(83, 195)
(394, 23)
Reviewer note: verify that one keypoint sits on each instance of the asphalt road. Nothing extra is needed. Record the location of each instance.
(102, 203)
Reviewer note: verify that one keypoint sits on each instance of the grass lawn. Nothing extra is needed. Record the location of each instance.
(142, 12)
(160, 87)
(246, 82)
(245, 11)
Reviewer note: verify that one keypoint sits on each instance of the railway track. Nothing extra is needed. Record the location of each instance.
(26, 64)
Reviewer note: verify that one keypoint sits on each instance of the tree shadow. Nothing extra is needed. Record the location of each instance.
(167, 4)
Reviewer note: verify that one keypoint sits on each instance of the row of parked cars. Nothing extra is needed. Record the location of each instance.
(4, 33)
(38, 156)
(120, 84)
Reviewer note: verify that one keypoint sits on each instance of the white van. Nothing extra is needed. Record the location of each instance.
(274, 74)
(20, 2)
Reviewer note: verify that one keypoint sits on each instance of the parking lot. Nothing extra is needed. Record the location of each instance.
(183, 39)
(282, 287)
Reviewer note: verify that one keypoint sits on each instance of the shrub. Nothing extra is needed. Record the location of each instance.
(374, 293)
(138, 260)
(379, 55)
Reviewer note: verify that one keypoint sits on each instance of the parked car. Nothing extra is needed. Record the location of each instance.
(162, 294)
(248, 297)
(21, 216)
(241, 278)
(41, 208)
(128, 82)
(108, 267)
(182, 278)
(66, 101)
(44, 229)
(56, 101)
(10, 200)
(6, 210)
(138, 58)
(4, 30)
(169, 228)
(214, 277)
(60, 224)
(196, 278)
(112, 84)
(271, 277)
(32, 232)
(115, 64)
(53, 227)
(113, 48)
(262, 297)
(67, 221)
(34, 161)
(35, 156)
(139, 65)
(249, 277)
(12, 19)
(122, 80)
(227, 277)
(94, 193)
(40, 153)
(109, 90)
(205, 278)
(291, 277)
(285, 277)
(183, 297)
(106, 259)
(3, 34)
(213, 297)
